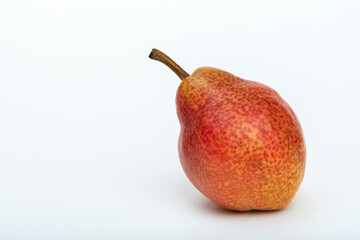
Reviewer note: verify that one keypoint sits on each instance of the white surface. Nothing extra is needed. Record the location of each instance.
(88, 128)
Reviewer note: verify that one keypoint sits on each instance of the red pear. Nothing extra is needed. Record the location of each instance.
(240, 144)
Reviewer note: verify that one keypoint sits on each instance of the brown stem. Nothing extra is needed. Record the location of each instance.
(162, 57)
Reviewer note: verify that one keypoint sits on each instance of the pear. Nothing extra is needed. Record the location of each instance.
(240, 143)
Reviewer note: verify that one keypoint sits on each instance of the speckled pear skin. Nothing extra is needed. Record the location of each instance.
(240, 144)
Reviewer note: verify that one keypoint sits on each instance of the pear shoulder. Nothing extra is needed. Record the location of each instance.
(211, 86)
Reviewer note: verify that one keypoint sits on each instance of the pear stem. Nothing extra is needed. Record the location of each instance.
(162, 57)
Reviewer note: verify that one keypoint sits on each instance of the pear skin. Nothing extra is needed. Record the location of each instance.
(240, 144)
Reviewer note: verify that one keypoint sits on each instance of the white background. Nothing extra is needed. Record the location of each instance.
(88, 127)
